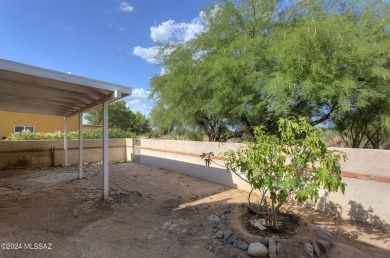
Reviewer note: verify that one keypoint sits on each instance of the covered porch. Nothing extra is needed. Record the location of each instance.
(30, 89)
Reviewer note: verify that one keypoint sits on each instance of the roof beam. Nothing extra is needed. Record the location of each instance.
(37, 101)
(16, 89)
(12, 107)
(108, 98)
(19, 87)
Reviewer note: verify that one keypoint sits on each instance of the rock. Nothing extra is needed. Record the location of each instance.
(309, 249)
(259, 223)
(213, 218)
(204, 238)
(221, 222)
(323, 235)
(172, 227)
(264, 241)
(121, 192)
(295, 218)
(271, 248)
(257, 250)
(185, 222)
(227, 234)
(278, 248)
(323, 245)
(232, 238)
(219, 234)
(240, 244)
(317, 250)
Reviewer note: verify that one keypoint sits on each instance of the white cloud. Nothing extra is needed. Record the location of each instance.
(134, 102)
(162, 32)
(140, 93)
(139, 102)
(137, 105)
(126, 7)
(172, 31)
(148, 54)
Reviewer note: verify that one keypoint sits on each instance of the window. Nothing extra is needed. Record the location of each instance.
(19, 129)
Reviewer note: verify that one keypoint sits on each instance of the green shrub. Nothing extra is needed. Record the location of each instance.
(195, 135)
(87, 134)
(294, 163)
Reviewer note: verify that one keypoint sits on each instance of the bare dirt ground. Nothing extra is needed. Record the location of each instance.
(151, 213)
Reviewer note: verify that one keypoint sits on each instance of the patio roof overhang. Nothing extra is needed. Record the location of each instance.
(30, 89)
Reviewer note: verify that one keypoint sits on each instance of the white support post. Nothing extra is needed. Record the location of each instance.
(66, 163)
(81, 150)
(105, 151)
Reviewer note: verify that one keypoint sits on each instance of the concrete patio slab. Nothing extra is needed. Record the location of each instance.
(133, 177)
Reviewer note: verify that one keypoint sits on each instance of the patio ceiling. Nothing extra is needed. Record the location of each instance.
(30, 89)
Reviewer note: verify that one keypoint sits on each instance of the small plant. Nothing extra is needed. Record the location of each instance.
(296, 162)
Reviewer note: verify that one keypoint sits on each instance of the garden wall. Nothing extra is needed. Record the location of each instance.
(17, 154)
(366, 172)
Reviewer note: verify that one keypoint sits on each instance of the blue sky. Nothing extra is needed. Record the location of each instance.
(109, 40)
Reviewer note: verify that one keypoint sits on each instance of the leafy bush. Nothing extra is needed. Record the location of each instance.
(87, 134)
(294, 163)
(195, 135)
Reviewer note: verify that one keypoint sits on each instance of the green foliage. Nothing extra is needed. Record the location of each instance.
(29, 136)
(120, 117)
(140, 124)
(258, 61)
(189, 134)
(330, 137)
(195, 135)
(294, 162)
(366, 128)
(87, 134)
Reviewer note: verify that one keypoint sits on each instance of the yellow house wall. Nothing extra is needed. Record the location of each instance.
(91, 126)
(41, 123)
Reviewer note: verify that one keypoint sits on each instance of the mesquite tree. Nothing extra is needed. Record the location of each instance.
(293, 162)
(256, 61)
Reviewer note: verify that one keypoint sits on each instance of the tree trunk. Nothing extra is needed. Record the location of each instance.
(273, 216)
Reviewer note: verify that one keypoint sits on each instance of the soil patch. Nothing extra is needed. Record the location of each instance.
(288, 225)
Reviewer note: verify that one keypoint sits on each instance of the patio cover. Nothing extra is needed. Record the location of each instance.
(30, 89)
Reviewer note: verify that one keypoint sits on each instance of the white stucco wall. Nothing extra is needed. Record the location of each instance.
(366, 172)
